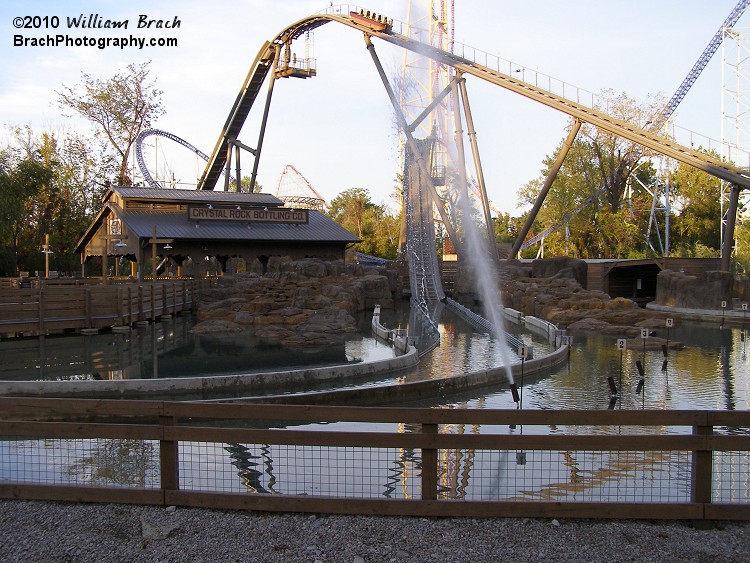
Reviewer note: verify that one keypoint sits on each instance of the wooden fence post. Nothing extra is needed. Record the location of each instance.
(140, 302)
(702, 469)
(168, 458)
(429, 466)
(120, 310)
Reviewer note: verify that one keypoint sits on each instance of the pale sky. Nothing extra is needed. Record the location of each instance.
(338, 128)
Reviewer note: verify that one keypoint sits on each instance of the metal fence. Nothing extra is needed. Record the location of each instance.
(358, 460)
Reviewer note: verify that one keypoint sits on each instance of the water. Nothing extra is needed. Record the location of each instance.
(169, 349)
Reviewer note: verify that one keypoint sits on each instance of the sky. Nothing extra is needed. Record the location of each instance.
(338, 128)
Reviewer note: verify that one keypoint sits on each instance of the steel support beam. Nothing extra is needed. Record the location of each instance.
(551, 175)
(728, 243)
(478, 167)
(263, 123)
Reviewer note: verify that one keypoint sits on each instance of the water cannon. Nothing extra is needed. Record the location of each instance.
(514, 392)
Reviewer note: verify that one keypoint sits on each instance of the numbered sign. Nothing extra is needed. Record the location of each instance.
(567, 340)
(744, 306)
(670, 323)
(723, 304)
(523, 352)
(644, 333)
(622, 344)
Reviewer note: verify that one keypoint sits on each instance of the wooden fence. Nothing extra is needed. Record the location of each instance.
(56, 308)
(427, 462)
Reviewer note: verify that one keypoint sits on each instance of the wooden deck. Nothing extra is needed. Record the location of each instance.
(53, 308)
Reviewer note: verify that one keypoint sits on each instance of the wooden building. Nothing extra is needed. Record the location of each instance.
(144, 231)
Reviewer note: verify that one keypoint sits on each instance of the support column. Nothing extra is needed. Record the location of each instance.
(262, 134)
(728, 242)
(478, 166)
(458, 138)
(547, 185)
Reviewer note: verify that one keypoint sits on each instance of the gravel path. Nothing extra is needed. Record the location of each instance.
(62, 532)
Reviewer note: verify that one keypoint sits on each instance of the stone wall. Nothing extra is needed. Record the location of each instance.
(296, 303)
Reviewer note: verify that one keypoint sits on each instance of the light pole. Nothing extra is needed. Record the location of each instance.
(46, 250)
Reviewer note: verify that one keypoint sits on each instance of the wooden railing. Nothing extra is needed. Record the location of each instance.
(609, 464)
(58, 307)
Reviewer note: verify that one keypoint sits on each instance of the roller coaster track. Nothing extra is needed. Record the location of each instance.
(268, 54)
(143, 135)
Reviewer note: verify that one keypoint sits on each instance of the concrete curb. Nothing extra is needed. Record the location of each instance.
(419, 390)
(203, 387)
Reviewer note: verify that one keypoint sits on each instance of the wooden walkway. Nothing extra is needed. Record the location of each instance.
(54, 308)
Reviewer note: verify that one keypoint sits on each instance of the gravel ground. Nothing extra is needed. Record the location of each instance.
(64, 532)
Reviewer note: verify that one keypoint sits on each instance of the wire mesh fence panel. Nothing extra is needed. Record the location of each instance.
(565, 476)
(96, 462)
(731, 482)
(349, 472)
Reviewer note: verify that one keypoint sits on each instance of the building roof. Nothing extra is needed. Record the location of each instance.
(192, 196)
(177, 226)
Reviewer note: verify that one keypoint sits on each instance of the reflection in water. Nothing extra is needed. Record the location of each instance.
(168, 349)
(244, 460)
(115, 462)
(405, 468)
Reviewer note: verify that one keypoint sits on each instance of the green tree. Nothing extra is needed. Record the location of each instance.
(369, 221)
(595, 204)
(120, 107)
(697, 204)
(51, 186)
(20, 184)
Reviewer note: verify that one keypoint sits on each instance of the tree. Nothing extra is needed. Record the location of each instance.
(49, 185)
(20, 183)
(121, 106)
(591, 203)
(377, 229)
(697, 226)
(615, 157)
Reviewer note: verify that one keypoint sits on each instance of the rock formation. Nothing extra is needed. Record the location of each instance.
(296, 303)
(703, 291)
(558, 296)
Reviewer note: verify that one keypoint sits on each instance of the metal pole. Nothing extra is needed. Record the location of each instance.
(547, 185)
(228, 166)
(478, 166)
(458, 137)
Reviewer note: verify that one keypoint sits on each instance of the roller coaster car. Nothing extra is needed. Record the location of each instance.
(374, 21)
